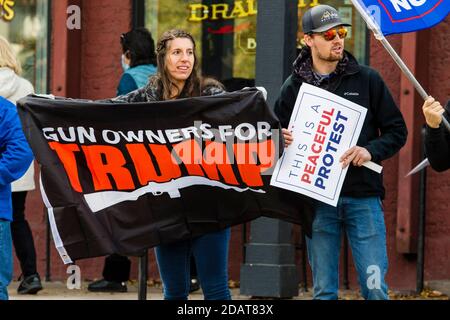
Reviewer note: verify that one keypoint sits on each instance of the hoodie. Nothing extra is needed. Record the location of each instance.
(13, 88)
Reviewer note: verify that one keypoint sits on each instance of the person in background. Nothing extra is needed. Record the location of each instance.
(138, 63)
(13, 87)
(138, 60)
(177, 78)
(437, 138)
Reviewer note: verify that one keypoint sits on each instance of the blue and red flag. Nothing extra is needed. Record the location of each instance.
(400, 16)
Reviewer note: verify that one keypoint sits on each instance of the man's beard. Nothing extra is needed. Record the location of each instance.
(331, 57)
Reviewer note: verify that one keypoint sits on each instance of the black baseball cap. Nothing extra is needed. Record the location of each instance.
(321, 18)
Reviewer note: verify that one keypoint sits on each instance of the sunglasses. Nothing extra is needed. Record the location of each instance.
(331, 34)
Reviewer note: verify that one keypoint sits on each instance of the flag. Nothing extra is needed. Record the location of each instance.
(121, 178)
(401, 16)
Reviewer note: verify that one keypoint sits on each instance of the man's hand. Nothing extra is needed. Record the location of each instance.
(287, 136)
(356, 155)
(433, 111)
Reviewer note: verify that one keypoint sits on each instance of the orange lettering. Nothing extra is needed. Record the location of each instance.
(66, 154)
(114, 166)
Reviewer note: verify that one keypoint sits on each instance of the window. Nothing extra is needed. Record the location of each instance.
(225, 32)
(24, 24)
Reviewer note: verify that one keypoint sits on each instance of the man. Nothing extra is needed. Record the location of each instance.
(437, 138)
(325, 64)
(15, 158)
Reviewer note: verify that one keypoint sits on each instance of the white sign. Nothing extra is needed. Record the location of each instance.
(324, 127)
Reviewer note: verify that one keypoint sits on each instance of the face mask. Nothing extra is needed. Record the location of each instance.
(125, 66)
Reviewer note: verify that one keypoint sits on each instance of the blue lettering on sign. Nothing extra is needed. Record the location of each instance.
(330, 151)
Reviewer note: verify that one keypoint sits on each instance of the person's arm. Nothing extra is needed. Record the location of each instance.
(16, 155)
(126, 85)
(286, 101)
(284, 107)
(389, 120)
(437, 137)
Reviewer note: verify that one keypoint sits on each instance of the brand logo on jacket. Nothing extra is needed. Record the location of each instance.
(351, 93)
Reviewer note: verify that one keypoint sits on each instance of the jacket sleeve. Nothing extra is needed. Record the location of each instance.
(437, 147)
(286, 101)
(15, 154)
(389, 120)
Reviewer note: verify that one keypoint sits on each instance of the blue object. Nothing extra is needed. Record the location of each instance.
(401, 16)
(211, 257)
(15, 154)
(6, 261)
(135, 78)
(363, 220)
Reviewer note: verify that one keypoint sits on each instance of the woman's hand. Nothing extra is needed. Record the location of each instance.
(433, 111)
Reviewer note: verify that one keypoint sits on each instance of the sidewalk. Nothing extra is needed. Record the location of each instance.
(58, 291)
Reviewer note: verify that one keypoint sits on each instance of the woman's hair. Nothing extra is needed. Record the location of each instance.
(140, 46)
(8, 58)
(192, 87)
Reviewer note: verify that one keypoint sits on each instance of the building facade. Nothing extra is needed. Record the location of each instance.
(71, 48)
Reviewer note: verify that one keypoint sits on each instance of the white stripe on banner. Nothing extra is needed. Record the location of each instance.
(51, 218)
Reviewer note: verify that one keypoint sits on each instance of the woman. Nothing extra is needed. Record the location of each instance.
(178, 77)
(13, 87)
(138, 63)
(138, 60)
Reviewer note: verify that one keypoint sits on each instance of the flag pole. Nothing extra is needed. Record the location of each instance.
(380, 37)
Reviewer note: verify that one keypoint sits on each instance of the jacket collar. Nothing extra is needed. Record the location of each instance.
(304, 71)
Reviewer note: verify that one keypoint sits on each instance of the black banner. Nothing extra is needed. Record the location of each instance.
(120, 178)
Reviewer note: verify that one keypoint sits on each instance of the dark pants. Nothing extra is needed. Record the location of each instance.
(22, 236)
(117, 268)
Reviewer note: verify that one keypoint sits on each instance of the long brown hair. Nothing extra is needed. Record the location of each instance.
(163, 82)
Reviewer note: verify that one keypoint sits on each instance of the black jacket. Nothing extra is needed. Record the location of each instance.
(384, 131)
(437, 145)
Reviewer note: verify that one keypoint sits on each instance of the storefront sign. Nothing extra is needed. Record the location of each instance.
(324, 127)
(304, 3)
(240, 9)
(6, 10)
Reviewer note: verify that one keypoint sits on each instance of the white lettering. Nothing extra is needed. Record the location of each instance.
(374, 281)
(74, 281)
(74, 20)
(406, 4)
